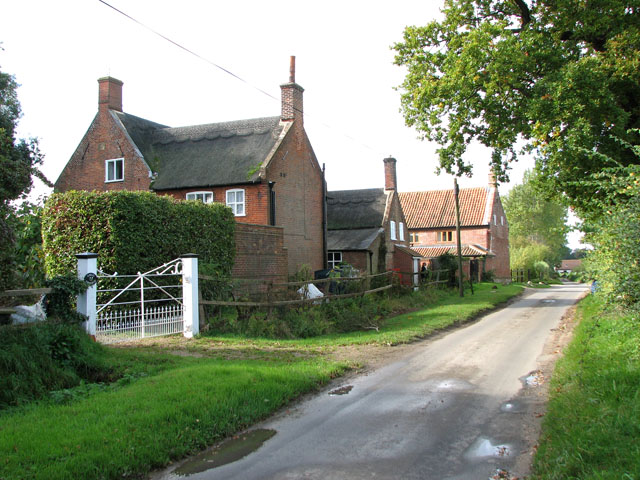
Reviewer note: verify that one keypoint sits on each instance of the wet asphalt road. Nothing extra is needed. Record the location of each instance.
(448, 410)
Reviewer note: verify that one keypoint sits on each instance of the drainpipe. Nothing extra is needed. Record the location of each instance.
(324, 219)
(272, 204)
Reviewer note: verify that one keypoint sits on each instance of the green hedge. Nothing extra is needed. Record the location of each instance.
(134, 231)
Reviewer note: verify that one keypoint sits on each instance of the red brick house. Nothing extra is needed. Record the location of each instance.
(264, 168)
(367, 228)
(484, 232)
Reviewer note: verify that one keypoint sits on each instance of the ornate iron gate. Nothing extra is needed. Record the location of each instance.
(149, 305)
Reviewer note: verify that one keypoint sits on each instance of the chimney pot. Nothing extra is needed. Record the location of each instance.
(390, 181)
(110, 93)
(292, 69)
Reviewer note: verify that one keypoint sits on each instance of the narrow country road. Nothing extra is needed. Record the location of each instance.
(453, 408)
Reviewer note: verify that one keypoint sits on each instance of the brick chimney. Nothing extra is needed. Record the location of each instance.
(109, 94)
(493, 182)
(292, 97)
(390, 182)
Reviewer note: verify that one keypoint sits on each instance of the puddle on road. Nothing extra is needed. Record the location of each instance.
(509, 407)
(533, 379)
(452, 385)
(548, 301)
(227, 452)
(341, 391)
(483, 447)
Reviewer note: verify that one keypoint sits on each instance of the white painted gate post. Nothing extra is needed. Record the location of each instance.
(190, 294)
(87, 271)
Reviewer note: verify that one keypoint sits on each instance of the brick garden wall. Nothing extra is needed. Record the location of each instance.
(260, 253)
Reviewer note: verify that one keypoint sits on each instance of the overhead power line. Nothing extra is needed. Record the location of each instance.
(225, 70)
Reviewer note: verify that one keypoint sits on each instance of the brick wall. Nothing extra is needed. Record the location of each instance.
(358, 260)
(256, 200)
(499, 231)
(260, 253)
(394, 212)
(403, 264)
(105, 140)
(299, 197)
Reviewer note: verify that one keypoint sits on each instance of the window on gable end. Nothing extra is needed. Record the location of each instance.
(204, 197)
(401, 231)
(236, 200)
(392, 228)
(114, 170)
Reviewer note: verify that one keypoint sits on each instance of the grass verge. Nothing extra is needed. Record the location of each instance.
(126, 432)
(447, 309)
(592, 427)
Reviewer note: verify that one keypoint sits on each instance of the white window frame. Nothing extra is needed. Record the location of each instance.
(203, 194)
(392, 228)
(114, 162)
(235, 204)
(332, 259)
(401, 231)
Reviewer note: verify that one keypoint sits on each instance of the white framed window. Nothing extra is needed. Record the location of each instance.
(392, 227)
(401, 231)
(333, 259)
(495, 219)
(114, 170)
(235, 200)
(502, 220)
(204, 197)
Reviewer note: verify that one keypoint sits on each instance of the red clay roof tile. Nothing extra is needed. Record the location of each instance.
(436, 208)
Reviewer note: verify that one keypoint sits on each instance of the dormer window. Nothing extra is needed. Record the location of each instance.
(204, 197)
(114, 170)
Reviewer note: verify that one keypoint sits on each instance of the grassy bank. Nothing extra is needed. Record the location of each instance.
(166, 406)
(127, 431)
(592, 428)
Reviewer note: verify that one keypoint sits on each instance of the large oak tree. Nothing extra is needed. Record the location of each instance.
(561, 77)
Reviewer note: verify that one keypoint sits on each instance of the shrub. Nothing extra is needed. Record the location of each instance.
(41, 357)
(134, 231)
(542, 269)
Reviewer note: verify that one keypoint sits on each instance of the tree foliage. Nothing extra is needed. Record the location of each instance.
(533, 219)
(615, 234)
(19, 163)
(560, 77)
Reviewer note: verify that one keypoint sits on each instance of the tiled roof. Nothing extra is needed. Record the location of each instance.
(354, 209)
(434, 251)
(570, 264)
(408, 250)
(436, 208)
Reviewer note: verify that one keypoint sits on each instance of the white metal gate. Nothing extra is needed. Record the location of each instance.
(149, 304)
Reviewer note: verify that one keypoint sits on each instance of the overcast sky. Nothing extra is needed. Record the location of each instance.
(344, 61)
